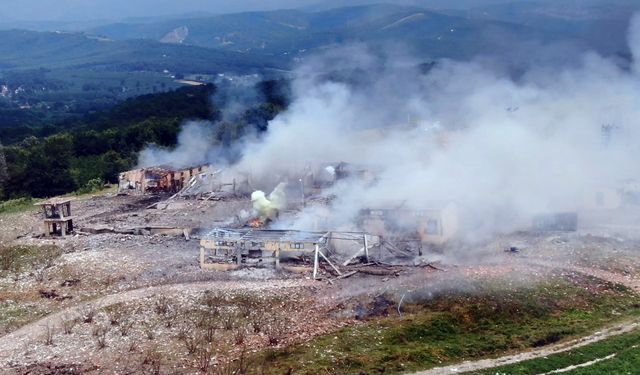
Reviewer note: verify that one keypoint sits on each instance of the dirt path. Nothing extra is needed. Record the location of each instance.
(538, 353)
(621, 328)
(15, 340)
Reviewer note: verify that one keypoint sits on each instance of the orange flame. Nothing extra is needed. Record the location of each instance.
(255, 223)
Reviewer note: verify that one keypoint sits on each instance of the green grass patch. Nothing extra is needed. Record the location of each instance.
(14, 315)
(17, 206)
(15, 259)
(455, 326)
(626, 348)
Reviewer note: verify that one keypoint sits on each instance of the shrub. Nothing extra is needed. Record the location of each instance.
(92, 186)
(100, 333)
(49, 332)
(88, 313)
(68, 324)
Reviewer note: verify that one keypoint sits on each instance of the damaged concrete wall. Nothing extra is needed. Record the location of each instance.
(157, 179)
(603, 198)
(432, 226)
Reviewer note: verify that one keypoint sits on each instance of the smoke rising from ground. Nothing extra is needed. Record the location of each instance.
(194, 148)
(202, 142)
(503, 149)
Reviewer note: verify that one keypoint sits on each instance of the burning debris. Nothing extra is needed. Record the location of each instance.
(268, 209)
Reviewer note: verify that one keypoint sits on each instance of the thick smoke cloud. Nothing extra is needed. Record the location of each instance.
(502, 148)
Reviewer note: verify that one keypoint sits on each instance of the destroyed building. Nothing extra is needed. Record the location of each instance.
(257, 246)
(232, 248)
(435, 224)
(328, 174)
(57, 217)
(220, 182)
(157, 179)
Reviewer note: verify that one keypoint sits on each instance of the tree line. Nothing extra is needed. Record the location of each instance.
(67, 156)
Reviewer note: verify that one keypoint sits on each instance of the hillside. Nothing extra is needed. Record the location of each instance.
(295, 32)
(31, 50)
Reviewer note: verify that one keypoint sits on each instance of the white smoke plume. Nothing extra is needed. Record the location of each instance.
(204, 142)
(504, 149)
(269, 207)
(195, 147)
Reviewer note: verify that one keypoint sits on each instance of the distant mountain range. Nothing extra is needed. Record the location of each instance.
(445, 33)
(258, 41)
(23, 50)
(295, 33)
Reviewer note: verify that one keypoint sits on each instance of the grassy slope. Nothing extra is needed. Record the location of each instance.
(453, 328)
(626, 360)
(17, 206)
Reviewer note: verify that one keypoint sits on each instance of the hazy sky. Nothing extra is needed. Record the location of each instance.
(118, 9)
(100, 9)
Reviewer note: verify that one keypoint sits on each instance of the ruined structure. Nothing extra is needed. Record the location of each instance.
(328, 174)
(157, 179)
(57, 217)
(232, 248)
(434, 225)
(556, 222)
(221, 182)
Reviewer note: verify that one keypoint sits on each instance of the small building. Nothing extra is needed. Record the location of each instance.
(556, 222)
(157, 179)
(603, 198)
(435, 224)
(57, 217)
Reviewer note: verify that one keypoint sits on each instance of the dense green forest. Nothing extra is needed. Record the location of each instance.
(62, 157)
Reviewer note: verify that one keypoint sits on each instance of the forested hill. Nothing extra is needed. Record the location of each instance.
(183, 103)
(63, 157)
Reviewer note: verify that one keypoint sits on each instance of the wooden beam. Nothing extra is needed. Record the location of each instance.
(331, 264)
(348, 274)
(354, 256)
(366, 248)
(315, 262)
